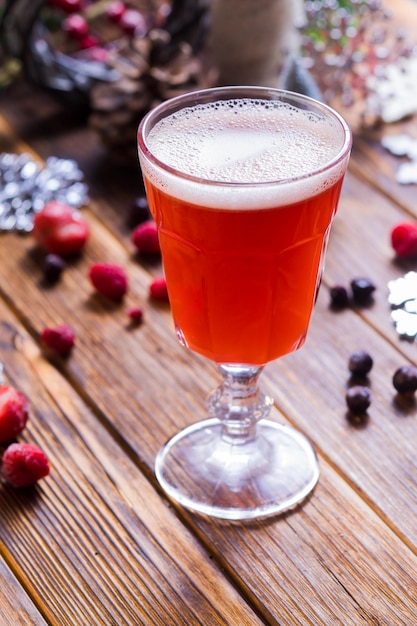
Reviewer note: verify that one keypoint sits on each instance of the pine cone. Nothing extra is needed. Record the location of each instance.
(152, 69)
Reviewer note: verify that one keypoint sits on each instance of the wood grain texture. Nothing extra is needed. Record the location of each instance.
(15, 606)
(94, 542)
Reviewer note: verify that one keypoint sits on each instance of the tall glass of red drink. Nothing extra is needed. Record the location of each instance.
(243, 183)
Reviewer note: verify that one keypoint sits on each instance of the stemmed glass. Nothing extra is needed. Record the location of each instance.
(243, 183)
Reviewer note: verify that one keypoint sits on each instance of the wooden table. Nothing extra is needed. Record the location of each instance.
(97, 542)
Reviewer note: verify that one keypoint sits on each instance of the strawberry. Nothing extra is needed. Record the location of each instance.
(23, 464)
(14, 412)
(109, 280)
(145, 238)
(59, 339)
(158, 290)
(404, 239)
(60, 229)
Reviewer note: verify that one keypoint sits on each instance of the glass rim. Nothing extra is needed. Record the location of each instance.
(193, 98)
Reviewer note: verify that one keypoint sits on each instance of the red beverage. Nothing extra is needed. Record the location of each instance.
(244, 224)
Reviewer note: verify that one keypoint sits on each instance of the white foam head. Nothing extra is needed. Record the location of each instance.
(245, 153)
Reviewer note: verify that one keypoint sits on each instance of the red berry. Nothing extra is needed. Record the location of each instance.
(60, 229)
(23, 464)
(136, 314)
(75, 25)
(14, 412)
(133, 22)
(404, 239)
(59, 340)
(109, 280)
(145, 238)
(158, 290)
(88, 41)
(115, 10)
(69, 6)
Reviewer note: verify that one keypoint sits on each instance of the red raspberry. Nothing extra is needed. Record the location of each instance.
(136, 314)
(59, 340)
(14, 412)
(24, 464)
(60, 229)
(404, 239)
(109, 280)
(158, 290)
(145, 238)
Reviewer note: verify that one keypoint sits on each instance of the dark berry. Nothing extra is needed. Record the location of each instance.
(339, 297)
(358, 399)
(360, 363)
(53, 266)
(139, 212)
(362, 290)
(405, 379)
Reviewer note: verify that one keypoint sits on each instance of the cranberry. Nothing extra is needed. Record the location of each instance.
(404, 239)
(360, 363)
(358, 399)
(88, 41)
(405, 379)
(115, 10)
(133, 23)
(136, 314)
(75, 25)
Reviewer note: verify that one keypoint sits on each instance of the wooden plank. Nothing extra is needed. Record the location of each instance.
(15, 606)
(94, 543)
(299, 568)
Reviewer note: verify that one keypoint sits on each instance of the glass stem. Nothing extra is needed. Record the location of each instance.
(238, 403)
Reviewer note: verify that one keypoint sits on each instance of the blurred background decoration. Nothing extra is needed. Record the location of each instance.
(116, 59)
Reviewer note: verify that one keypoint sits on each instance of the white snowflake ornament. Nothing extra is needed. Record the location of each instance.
(403, 300)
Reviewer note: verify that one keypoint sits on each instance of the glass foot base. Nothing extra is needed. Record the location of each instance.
(216, 476)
